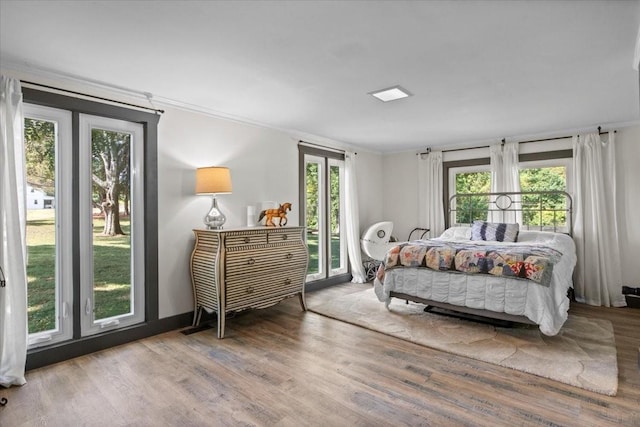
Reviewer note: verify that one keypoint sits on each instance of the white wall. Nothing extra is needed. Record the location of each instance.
(371, 198)
(400, 192)
(264, 166)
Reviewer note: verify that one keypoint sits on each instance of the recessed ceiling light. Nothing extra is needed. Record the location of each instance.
(391, 93)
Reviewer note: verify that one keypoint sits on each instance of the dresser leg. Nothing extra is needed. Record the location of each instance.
(303, 303)
(197, 313)
(221, 316)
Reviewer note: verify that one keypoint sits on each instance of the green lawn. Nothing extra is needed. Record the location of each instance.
(312, 243)
(41, 269)
(111, 270)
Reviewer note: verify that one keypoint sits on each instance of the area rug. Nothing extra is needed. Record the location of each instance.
(583, 354)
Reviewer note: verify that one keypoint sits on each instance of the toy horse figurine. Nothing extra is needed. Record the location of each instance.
(280, 213)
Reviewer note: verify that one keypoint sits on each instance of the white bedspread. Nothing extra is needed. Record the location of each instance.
(546, 306)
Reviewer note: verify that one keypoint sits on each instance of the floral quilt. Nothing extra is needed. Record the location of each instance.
(527, 262)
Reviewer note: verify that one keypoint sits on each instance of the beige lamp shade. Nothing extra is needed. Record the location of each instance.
(213, 180)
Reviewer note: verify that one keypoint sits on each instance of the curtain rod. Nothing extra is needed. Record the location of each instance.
(519, 142)
(92, 96)
(454, 149)
(337, 150)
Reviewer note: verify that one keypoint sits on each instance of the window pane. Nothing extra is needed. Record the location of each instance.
(337, 219)
(110, 154)
(312, 215)
(336, 254)
(472, 208)
(43, 298)
(544, 179)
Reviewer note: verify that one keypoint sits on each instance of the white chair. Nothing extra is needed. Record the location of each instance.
(375, 240)
(375, 244)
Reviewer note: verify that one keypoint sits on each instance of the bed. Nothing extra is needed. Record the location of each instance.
(468, 276)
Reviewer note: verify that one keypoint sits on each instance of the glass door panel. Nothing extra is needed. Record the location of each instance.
(314, 216)
(338, 242)
(112, 290)
(49, 292)
(325, 216)
(112, 282)
(40, 143)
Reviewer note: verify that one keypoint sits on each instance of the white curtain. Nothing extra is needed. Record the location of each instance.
(505, 178)
(430, 193)
(511, 171)
(497, 173)
(353, 215)
(13, 256)
(495, 155)
(598, 280)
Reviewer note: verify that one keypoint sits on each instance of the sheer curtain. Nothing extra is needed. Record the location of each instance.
(505, 177)
(511, 179)
(511, 171)
(495, 155)
(353, 222)
(430, 204)
(598, 280)
(13, 257)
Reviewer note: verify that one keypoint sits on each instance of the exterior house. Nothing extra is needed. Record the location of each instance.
(38, 199)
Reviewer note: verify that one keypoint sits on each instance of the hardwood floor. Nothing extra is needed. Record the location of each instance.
(283, 367)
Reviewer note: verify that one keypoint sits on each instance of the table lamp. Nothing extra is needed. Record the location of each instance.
(212, 181)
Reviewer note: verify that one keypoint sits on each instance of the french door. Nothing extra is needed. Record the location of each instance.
(84, 220)
(111, 224)
(324, 214)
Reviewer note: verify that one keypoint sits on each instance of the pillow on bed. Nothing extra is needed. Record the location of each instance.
(456, 233)
(494, 231)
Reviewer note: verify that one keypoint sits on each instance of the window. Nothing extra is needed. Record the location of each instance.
(466, 180)
(545, 171)
(92, 253)
(545, 175)
(322, 195)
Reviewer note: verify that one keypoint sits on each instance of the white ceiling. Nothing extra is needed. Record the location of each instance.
(479, 71)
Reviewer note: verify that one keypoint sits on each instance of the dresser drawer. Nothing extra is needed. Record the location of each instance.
(207, 242)
(278, 235)
(246, 293)
(263, 261)
(245, 238)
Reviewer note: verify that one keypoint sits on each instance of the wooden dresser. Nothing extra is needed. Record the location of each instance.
(239, 269)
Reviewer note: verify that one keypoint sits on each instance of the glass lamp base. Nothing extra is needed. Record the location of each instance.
(214, 219)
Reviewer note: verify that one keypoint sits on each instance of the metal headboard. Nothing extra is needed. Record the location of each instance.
(534, 210)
